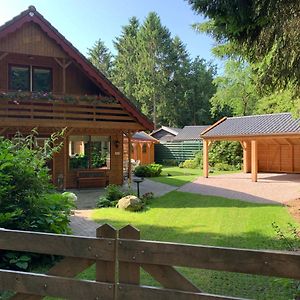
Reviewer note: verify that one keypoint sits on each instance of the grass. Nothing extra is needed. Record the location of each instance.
(176, 176)
(195, 219)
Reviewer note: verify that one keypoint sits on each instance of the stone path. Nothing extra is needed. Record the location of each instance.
(270, 188)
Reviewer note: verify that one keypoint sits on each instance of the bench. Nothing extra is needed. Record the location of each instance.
(92, 178)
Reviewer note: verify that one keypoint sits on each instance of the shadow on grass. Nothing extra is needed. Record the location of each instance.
(216, 282)
(181, 199)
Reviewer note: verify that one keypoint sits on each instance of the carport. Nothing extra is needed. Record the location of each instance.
(271, 143)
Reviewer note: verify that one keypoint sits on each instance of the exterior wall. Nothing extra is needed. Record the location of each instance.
(31, 40)
(137, 152)
(279, 158)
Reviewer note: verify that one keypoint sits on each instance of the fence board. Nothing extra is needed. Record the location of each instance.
(54, 286)
(129, 272)
(67, 267)
(213, 258)
(64, 245)
(170, 278)
(129, 292)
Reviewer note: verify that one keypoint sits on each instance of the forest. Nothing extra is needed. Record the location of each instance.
(258, 46)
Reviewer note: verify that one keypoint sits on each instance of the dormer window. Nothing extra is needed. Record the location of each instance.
(29, 78)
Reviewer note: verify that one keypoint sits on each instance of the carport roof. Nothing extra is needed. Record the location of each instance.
(280, 123)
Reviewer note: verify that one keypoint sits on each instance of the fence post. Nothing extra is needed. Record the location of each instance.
(106, 270)
(129, 272)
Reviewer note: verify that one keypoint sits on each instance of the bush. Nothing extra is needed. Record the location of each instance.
(230, 153)
(113, 194)
(147, 197)
(152, 170)
(189, 164)
(27, 199)
(223, 167)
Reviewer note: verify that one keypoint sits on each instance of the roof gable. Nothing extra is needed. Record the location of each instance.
(172, 130)
(31, 15)
(281, 123)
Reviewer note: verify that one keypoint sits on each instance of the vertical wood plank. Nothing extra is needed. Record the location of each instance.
(254, 160)
(106, 270)
(65, 148)
(129, 156)
(129, 272)
(205, 158)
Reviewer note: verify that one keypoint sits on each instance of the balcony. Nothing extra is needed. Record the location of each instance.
(28, 109)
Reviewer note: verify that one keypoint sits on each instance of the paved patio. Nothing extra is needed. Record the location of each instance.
(270, 188)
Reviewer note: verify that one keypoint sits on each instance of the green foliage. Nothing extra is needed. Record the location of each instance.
(170, 162)
(113, 193)
(79, 162)
(225, 167)
(100, 57)
(226, 153)
(27, 199)
(152, 170)
(189, 164)
(257, 32)
(147, 197)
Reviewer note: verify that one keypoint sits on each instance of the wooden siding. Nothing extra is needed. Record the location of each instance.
(31, 40)
(279, 157)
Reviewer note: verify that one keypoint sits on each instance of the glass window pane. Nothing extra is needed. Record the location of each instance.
(19, 78)
(42, 80)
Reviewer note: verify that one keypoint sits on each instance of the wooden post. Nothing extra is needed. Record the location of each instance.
(129, 272)
(246, 156)
(254, 160)
(129, 157)
(149, 153)
(66, 161)
(205, 158)
(106, 270)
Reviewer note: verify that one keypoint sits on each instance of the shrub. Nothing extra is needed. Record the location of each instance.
(223, 167)
(147, 197)
(27, 199)
(190, 164)
(152, 170)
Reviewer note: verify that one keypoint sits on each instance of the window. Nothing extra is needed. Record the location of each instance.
(41, 80)
(19, 78)
(144, 148)
(89, 152)
(28, 78)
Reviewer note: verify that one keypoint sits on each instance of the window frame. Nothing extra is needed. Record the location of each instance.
(32, 77)
(31, 69)
(10, 66)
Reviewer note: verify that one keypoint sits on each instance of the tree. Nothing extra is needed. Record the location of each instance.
(124, 72)
(100, 56)
(236, 93)
(153, 69)
(265, 32)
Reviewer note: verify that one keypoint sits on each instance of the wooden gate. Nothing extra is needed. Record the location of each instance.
(119, 256)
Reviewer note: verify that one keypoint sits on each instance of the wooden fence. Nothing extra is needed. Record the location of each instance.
(119, 256)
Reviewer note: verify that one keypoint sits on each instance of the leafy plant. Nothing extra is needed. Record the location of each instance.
(152, 170)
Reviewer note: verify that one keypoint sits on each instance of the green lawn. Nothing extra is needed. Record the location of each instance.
(189, 218)
(178, 176)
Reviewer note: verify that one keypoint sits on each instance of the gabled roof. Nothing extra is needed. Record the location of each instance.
(174, 131)
(32, 15)
(143, 136)
(190, 133)
(280, 123)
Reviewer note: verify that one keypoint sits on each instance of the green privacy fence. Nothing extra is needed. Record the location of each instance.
(179, 151)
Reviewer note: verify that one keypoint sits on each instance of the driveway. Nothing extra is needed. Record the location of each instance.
(270, 188)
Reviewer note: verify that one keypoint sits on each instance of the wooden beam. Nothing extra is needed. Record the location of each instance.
(3, 55)
(205, 158)
(254, 160)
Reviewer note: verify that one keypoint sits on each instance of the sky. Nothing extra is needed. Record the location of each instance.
(83, 22)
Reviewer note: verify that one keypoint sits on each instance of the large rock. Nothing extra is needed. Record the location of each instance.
(131, 203)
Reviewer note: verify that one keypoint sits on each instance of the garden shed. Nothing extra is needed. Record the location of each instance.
(165, 134)
(142, 148)
(182, 147)
(271, 142)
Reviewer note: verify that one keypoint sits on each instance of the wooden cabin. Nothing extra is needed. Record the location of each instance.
(142, 148)
(46, 83)
(271, 143)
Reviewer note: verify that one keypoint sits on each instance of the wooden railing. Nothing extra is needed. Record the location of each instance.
(119, 256)
(43, 110)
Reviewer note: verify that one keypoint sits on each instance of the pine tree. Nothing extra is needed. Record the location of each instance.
(100, 56)
(124, 73)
